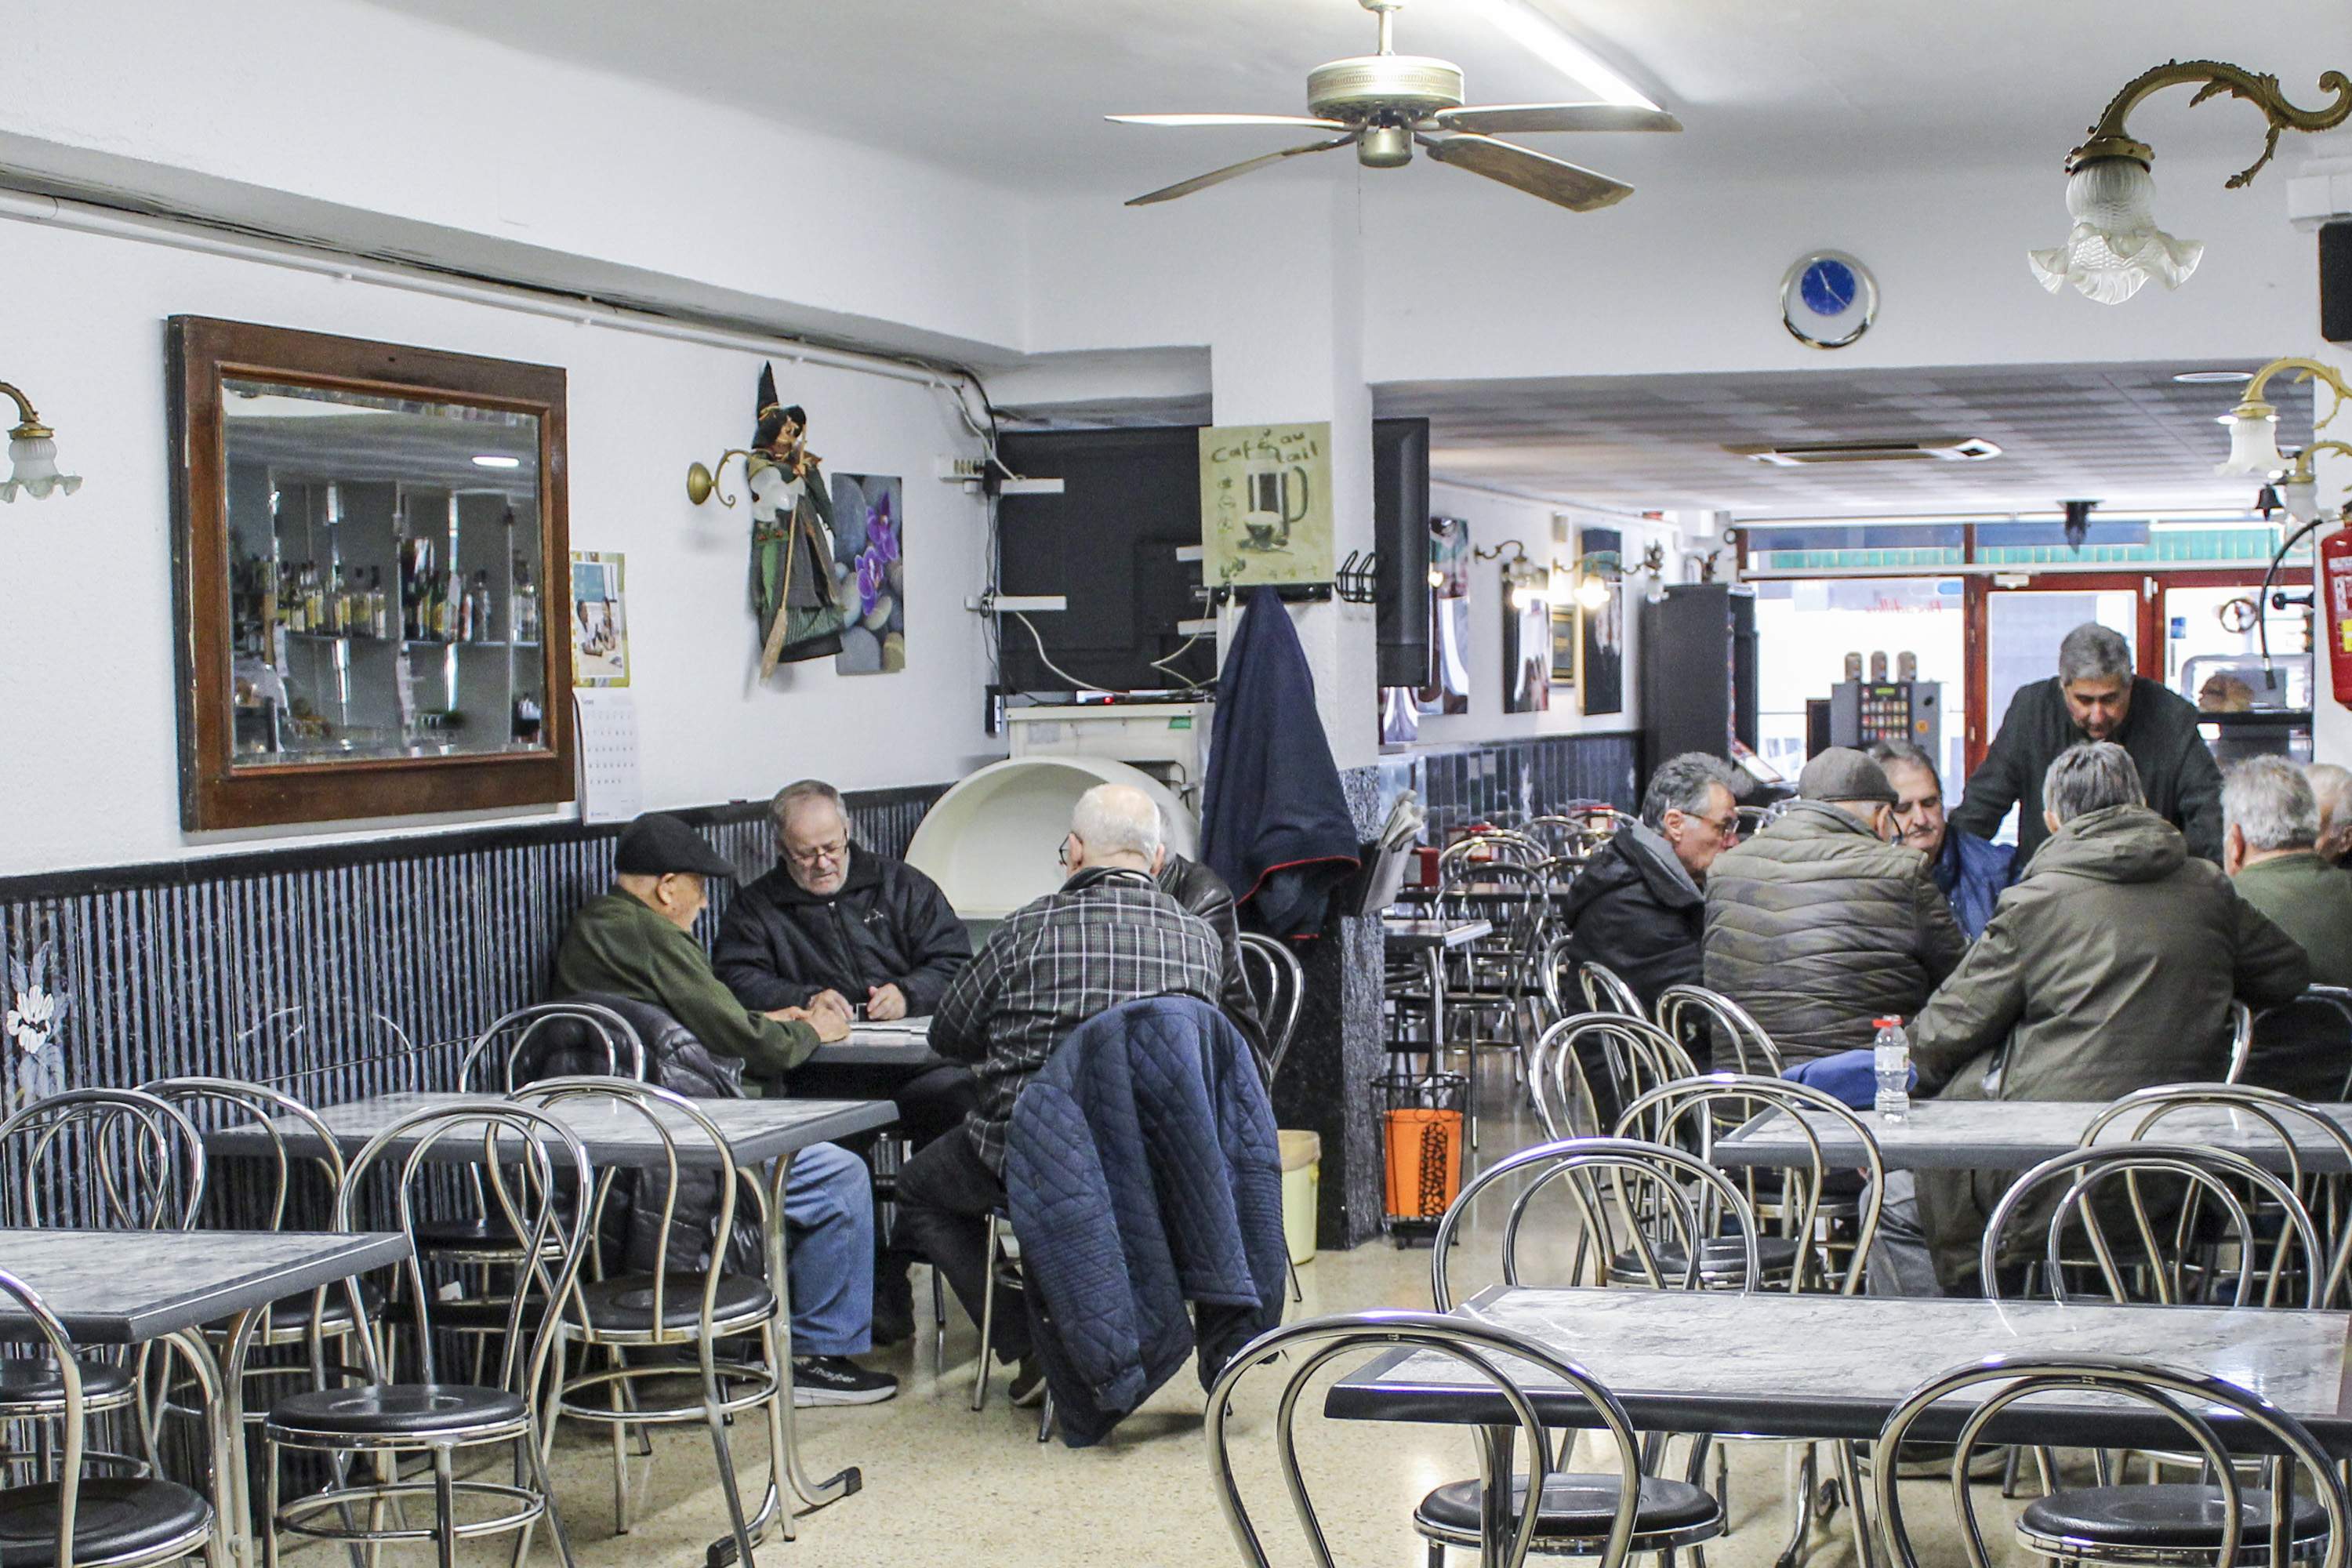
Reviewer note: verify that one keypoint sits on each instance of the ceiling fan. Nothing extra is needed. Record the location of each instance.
(1386, 103)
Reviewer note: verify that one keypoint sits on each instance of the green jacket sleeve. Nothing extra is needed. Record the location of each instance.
(695, 996)
(2272, 967)
(1974, 1010)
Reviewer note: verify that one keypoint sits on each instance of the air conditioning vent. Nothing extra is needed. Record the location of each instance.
(1924, 449)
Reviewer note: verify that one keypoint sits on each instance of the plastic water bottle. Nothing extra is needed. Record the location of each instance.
(1891, 1058)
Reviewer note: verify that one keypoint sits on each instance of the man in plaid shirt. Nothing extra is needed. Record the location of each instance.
(1109, 936)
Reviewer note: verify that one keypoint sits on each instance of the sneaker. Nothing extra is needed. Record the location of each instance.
(1029, 1384)
(837, 1379)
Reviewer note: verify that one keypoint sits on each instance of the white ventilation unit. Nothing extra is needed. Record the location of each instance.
(1922, 449)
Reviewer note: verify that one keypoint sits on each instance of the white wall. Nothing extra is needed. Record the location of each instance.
(1493, 518)
(86, 670)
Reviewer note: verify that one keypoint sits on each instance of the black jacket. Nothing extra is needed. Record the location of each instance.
(1202, 892)
(889, 925)
(2183, 782)
(1636, 910)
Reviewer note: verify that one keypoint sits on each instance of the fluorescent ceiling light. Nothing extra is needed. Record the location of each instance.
(2214, 377)
(1542, 38)
(491, 460)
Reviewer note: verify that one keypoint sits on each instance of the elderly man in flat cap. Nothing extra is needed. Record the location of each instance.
(1818, 925)
(637, 942)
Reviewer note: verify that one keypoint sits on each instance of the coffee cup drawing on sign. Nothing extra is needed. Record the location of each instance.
(1276, 499)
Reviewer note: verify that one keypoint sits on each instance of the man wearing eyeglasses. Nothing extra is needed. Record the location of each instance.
(837, 929)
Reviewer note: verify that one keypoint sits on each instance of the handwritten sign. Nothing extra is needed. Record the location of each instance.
(1265, 504)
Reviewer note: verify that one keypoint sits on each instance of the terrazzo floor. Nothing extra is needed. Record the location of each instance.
(945, 1486)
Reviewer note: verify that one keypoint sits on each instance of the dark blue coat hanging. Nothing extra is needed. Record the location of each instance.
(1274, 822)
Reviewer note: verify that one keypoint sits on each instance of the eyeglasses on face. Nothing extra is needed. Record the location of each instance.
(819, 853)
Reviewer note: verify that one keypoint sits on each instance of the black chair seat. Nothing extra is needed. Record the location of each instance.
(1580, 1508)
(472, 1232)
(396, 1409)
(2177, 1517)
(1719, 1258)
(34, 1380)
(113, 1517)
(625, 1305)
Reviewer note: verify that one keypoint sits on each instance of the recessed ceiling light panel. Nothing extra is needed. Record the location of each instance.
(2214, 377)
(1925, 448)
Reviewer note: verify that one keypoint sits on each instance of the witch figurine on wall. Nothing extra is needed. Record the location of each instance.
(792, 585)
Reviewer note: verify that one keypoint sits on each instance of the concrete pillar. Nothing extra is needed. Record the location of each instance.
(1289, 348)
(2321, 193)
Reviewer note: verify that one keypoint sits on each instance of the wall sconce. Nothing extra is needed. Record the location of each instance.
(702, 483)
(1654, 566)
(33, 455)
(1529, 584)
(2115, 245)
(2253, 438)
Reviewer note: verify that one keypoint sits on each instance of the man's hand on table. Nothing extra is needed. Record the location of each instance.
(831, 1023)
(884, 1003)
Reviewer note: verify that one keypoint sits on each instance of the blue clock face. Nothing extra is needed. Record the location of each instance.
(1828, 287)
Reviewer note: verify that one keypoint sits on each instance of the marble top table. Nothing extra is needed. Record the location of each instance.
(2010, 1135)
(1483, 892)
(1778, 1365)
(755, 1130)
(1424, 936)
(904, 1042)
(117, 1287)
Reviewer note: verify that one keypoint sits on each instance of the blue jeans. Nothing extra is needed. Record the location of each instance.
(829, 1252)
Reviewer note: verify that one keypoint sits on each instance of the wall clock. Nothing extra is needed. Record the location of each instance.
(1828, 299)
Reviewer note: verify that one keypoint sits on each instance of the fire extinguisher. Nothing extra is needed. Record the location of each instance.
(2335, 584)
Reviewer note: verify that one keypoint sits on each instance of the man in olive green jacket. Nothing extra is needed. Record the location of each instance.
(2271, 817)
(2109, 966)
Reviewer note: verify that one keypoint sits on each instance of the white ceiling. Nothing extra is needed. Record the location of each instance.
(2126, 435)
(1013, 90)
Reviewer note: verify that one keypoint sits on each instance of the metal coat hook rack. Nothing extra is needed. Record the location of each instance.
(1358, 580)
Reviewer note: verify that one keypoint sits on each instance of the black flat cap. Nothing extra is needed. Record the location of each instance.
(658, 843)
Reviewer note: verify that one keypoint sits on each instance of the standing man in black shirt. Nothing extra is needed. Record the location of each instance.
(2095, 696)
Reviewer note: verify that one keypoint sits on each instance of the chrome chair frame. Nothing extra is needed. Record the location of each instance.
(1732, 1019)
(726, 1390)
(529, 1140)
(72, 1412)
(1498, 973)
(2183, 1398)
(1636, 1054)
(2242, 1040)
(1483, 1348)
(1606, 991)
(1280, 994)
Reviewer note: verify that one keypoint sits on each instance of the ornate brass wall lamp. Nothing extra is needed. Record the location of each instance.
(702, 483)
(2115, 245)
(2253, 437)
(32, 454)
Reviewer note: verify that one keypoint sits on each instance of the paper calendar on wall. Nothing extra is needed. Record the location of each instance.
(606, 737)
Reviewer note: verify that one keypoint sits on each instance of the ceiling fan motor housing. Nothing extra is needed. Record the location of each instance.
(1371, 90)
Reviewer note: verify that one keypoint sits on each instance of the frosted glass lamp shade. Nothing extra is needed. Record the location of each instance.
(2253, 443)
(2300, 496)
(2115, 245)
(33, 469)
(1593, 592)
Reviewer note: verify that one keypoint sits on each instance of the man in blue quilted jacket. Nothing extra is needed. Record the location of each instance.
(1107, 935)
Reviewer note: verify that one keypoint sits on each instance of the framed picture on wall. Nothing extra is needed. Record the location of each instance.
(1526, 640)
(1600, 554)
(1448, 690)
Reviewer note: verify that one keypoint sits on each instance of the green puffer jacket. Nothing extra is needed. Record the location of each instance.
(2109, 966)
(1817, 927)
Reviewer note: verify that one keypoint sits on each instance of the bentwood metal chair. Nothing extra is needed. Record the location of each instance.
(1598, 1063)
(1664, 1209)
(1796, 1210)
(1606, 991)
(536, 1170)
(1497, 979)
(1277, 983)
(684, 1298)
(102, 1159)
(65, 1519)
(2242, 1041)
(2221, 1525)
(1601, 1515)
(1686, 1010)
(267, 1196)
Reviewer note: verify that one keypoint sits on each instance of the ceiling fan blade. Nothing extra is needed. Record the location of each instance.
(1308, 120)
(1218, 176)
(1579, 190)
(1502, 119)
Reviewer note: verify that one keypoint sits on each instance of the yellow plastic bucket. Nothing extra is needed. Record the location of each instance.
(1302, 1181)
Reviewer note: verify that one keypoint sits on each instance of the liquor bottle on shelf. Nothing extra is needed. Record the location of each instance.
(379, 608)
(525, 616)
(480, 598)
(466, 630)
(338, 604)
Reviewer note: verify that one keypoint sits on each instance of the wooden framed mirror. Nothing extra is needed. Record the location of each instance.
(372, 556)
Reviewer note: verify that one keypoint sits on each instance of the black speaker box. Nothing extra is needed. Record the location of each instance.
(1401, 535)
(2336, 281)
